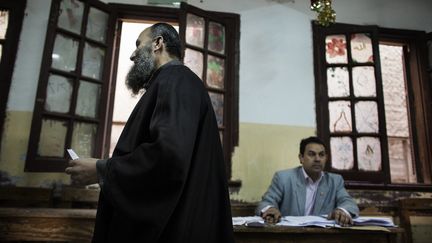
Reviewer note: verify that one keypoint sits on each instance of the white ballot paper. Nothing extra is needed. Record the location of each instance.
(72, 154)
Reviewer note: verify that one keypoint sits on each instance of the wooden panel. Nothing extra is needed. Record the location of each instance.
(275, 234)
(25, 197)
(39, 224)
(75, 197)
(76, 225)
(412, 209)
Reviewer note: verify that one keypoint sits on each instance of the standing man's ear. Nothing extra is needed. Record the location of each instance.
(158, 43)
(300, 156)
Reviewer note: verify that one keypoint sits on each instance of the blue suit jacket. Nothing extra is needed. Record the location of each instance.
(287, 193)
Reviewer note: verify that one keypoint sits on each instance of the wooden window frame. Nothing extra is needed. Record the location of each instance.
(35, 163)
(10, 46)
(232, 24)
(127, 11)
(419, 100)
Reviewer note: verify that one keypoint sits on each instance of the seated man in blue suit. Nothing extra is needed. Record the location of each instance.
(307, 190)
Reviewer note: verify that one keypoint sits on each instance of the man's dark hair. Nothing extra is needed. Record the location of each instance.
(170, 37)
(309, 140)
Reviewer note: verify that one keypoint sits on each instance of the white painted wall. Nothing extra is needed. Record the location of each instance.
(276, 62)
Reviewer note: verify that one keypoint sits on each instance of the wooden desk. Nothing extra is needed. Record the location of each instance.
(46, 224)
(285, 234)
(76, 225)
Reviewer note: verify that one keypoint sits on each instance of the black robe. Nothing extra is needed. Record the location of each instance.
(166, 179)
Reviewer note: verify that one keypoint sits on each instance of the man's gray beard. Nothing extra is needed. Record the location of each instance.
(140, 73)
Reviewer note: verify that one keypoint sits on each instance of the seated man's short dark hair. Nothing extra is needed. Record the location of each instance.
(309, 140)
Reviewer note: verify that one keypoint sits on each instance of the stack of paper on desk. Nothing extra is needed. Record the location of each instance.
(246, 220)
(318, 221)
(374, 221)
(306, 221)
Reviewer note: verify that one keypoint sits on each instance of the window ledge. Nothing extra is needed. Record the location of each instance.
(392, 187)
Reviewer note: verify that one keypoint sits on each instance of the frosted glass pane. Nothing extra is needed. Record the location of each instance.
(4, 23)
(336, 49)
(218, 106)
(361, 48)
(93, 60)
(116, 130)
(369, 154)
(395, 103)
(83, 139)
(216, 37)
(401, 164)
(70, 15)
(97, 25)
(195, 30)
(340, 116)
(341, 153)
(58, 94)
(338, 82)
(366, 116)
(215, 72)
(88, 99)
(52, 138)
(64, 55)
(364, 81)
(194, 60)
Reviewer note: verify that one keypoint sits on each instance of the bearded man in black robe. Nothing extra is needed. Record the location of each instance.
(166, 179)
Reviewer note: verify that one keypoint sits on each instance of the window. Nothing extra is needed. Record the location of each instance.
(70, 109)
(84, 121)
(11, 18)
(373, 104)
(211, 51)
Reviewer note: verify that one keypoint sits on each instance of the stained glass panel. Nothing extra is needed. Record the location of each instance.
(88, 99)
(83, 139)
(65, 52)
(58, 94)
(341, 153)
(369, 154)
(338, 82)
(340, 116)
(361, 48)
(97, 25)
(364, 81)
(93, 59)
(366, 116)
(215, 72)
(70, 15)
(52, 138)
(4, 23)
(218, 106)
(336, 49)
(194, 60)
(216, 37)
(395, 103)
(195, 30)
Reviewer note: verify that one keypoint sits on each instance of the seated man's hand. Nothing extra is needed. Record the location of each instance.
(271, 216)
(341, 217)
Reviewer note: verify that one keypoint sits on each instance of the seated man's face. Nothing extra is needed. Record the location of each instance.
(313, 159)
